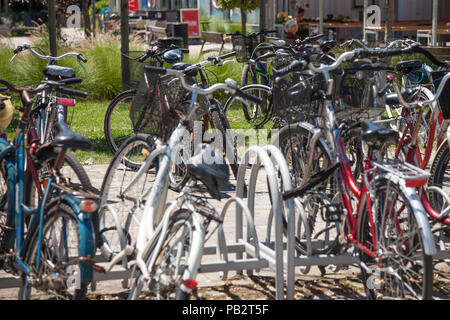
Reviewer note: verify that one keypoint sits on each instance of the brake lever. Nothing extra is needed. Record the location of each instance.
(12, 59)
(82, 65)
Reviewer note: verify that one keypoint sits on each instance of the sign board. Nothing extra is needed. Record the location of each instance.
(192, 18)
(133, 5)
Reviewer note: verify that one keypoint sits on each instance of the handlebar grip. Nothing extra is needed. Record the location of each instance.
(18, 49)
(265, 56)
(248, 96)
(297, 65)
(158, 70)
(83, 59)
(144, 56)
(73, 92)
(71, 81)
(227, 55)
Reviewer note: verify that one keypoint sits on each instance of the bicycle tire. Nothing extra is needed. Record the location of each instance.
(178, 220)
(78, 176)
(400, 251)
(237, 111)
(228, 146)
(119, 173)
(439, 174)
(285, 140)
(53, 215)
(119, 105)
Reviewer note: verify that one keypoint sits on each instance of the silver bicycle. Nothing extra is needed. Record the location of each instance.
(170, 235)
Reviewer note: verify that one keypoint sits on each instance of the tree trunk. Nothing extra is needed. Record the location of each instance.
(125, 34)
(390, 16)
(52, 27)
(86, 19)
(244, 21)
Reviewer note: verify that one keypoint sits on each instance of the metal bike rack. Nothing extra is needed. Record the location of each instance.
(278, 255)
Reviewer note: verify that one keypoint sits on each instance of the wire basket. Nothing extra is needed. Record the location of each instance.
(296, 95)
(243, 46)
(444, 98)
(159, 104)
(137, 68)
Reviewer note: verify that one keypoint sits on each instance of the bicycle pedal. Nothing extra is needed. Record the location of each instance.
(332, 213)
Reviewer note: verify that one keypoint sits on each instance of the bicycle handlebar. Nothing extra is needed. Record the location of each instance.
(229, 85)
(415, 104)
(27, 46)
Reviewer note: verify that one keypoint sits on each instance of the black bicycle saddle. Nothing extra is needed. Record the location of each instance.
(209, 167)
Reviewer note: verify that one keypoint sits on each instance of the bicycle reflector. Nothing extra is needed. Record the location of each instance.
(190, 284)
(88, 205)
(66, 102)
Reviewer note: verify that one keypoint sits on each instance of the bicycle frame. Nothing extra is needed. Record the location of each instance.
(413, 154)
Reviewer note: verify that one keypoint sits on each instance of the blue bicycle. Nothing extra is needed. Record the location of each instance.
(51, 247)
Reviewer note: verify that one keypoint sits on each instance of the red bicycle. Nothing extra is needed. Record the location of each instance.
(383, 218)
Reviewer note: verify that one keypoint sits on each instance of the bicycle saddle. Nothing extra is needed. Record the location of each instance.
(57, 72)
(406, 66)
(392, 98)
(66, 138)
(375, 135)
(209, 167)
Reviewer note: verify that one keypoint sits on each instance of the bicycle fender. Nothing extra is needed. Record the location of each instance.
(87, 241)
(418, 209)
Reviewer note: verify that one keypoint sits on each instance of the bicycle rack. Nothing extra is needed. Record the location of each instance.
(278, 255)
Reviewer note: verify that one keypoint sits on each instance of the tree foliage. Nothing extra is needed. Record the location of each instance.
(244, 6)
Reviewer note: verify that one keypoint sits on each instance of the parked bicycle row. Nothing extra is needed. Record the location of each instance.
(367, 159)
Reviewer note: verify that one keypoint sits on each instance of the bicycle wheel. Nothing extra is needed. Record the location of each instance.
(250, 75)
(72, 169)
(167, 272)
(440, 177)
(294, 143)
(117, 125)
(228, 146)
(59, 273)
(122, 170)
(250, 115)
(405, 271)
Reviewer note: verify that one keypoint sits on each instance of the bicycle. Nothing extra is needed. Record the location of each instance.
(117, 123)
(388, 227)
(48, 104)
(53, 250)
(258, 67)
(156, 216)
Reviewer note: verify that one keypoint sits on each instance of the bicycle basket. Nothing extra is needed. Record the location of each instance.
(357, 99)
(444, 99)
(296, 95)
(243, 46)
(137, 68)
(158, 105)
